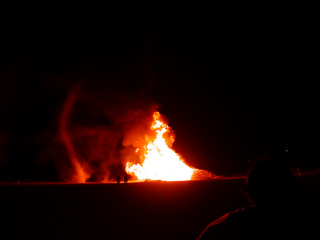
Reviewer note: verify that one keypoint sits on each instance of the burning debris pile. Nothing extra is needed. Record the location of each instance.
(158, 160)
(131, 137)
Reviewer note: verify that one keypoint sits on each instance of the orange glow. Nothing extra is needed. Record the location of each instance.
(158, 160)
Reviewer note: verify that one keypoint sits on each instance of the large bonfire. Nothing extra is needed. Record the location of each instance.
(159, 161)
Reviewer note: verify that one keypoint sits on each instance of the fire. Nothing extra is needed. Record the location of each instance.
(159, 161)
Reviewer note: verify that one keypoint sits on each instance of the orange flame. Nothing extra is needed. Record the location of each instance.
(159, 161)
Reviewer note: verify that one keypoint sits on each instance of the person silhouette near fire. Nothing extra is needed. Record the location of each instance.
(118, 179)
(126, 177)
(271, 189)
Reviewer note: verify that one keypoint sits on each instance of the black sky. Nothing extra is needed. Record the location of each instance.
(235, 82)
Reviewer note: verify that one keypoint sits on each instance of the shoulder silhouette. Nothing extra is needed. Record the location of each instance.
(271, 188)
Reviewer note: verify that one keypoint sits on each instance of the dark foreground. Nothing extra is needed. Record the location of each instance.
(158, 210)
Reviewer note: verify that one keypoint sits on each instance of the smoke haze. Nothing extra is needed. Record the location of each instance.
(99, 131)
(74, 125)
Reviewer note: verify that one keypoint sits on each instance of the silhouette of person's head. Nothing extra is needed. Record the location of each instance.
(270, 182)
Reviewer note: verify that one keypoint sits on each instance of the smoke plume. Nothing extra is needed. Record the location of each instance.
(80, 174)
(100, 130)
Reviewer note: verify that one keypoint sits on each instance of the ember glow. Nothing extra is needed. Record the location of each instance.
(158, 160)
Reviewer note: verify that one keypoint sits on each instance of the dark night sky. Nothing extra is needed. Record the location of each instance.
(234, 82)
